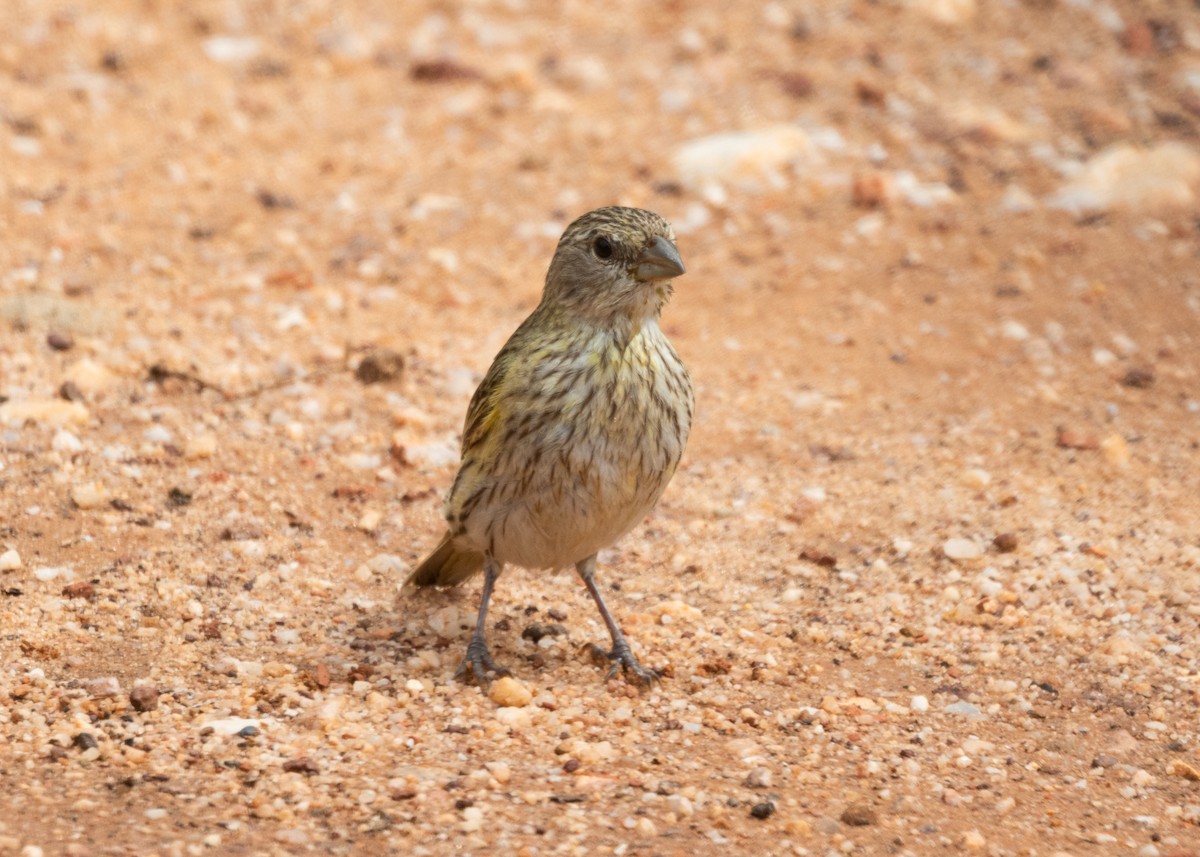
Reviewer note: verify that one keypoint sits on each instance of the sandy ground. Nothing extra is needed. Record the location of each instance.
(926, 582)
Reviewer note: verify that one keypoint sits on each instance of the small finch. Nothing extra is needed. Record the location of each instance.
(577, 427)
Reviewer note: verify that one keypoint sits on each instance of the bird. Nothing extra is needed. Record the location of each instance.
(576, 429)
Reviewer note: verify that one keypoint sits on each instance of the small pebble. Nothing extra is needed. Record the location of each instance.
(759, 778)
(964, 708)
(973, 841)
(507, 692)
(1005, 542)
(60, 341)
(144, 697)
(102, 687)
(762, 810)
(380, 365)
(860, 815)
(962, 549)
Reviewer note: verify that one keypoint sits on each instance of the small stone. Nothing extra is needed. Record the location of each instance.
(369, 522)
(748, 159)
(680, 805)
(293, 836)
(919, 704)
(1005, 542)
(759, 778)
(762, 810)
(1180, 768)
(380, 365)
(965, 709)
(144, 697)
(200, 446)
(1140, 180)
(32, 851)
(234, 725)
(83, 589)
(156, 813)
(947, 12)
(10, 560)
(85, 741)
(66, 442)
(500, 771)
(538, 630)
(1116, 450)
(973, 841)
(89, 496)
(47, 411)
(976, 477)
(1104, 761)
(827, 825)
(507, 692)
(102, 687)
(472, 819)
(1068, 438)
(302, 765)
(60, 341)
(962, 549)
(87, 376)
(231, 49)
(1139, 377)
(860, 815)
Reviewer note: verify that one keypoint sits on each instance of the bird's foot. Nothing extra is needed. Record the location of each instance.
(622, 657)
(478, 663)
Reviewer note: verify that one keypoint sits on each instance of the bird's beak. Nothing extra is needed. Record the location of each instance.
(659, 261)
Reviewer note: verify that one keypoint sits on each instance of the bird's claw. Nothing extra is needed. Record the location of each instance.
(477, 663)
(621, 657)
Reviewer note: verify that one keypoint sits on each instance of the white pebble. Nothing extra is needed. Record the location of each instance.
(919, 704)
(472, 819)
(157, 434)
(156, 813)
(52, 572)
(64, 441)
(10, 560)
(959, 548)
(103, 687)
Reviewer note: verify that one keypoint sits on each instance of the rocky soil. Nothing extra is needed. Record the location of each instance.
(926, 582)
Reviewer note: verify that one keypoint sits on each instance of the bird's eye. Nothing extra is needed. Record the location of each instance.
(602, 247)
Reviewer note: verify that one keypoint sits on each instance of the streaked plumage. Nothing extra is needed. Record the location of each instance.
(580, 423)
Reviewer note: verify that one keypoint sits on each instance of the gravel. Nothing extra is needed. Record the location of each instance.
(926, 580)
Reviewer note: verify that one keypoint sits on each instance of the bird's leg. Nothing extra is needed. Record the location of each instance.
(478, 660)
(621, 655)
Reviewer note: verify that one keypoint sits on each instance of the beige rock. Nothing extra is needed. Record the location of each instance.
(1124, 176)
(748, 159)
(200, 446)
(49, 411)
(945, 11)
(507, 692)
(1116, 450)
(89, 376)
(92, 495)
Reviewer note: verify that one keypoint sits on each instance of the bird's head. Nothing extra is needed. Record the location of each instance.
(614, 265)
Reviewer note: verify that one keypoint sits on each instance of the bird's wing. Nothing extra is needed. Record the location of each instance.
(503, 380)
(484, 412)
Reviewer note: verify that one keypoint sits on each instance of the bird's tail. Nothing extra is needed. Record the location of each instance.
(448, 565)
